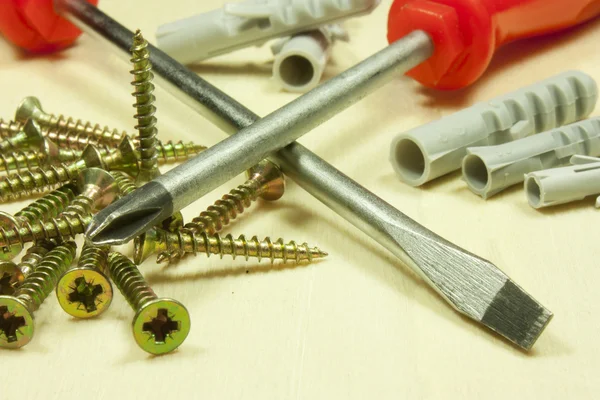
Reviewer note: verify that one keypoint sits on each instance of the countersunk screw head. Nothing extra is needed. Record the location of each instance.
(99, 182)
(272, 175)
(84, 292)
(16, 323)
(10, 277)
(161, 325)
(33, 139)
(173, 223)
(144, 245)
(128, 160)
(30, 107)
(92, 157)
(9, 222)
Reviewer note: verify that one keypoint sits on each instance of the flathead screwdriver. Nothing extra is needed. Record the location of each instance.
(473, 286)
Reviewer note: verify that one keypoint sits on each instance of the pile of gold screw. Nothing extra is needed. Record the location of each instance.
(75, 169)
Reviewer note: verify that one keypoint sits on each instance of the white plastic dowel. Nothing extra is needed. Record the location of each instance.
(437, 148)
(563, 185)
(300, 60)
(251, 23)
(489, 170)
(300, 63)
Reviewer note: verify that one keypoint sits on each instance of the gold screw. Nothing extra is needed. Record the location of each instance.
(40, 210)
(97, 189)
(40, 179)
(162, 241)
(12, 275)
(9, 128)
(124, 182)
(29, 137)
(266, 181)
(85, 290)
(20, 161)
(173, 152)
(144, 105)
(64, 227)
(167, 151)
(160, 325)
(123, 158)
(30, 149)
(49, 205)
(76, 135)
(31, 108)
(16, 312)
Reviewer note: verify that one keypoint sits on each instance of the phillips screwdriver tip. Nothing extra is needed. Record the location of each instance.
(131, 215)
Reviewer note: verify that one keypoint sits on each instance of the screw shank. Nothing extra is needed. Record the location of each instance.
(130, 281)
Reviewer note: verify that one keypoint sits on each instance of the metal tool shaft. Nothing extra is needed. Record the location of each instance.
(473, 286)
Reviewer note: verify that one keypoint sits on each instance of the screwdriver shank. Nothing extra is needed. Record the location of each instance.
(473, 286)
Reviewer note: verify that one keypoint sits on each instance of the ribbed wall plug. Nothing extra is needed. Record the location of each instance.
(437, 148)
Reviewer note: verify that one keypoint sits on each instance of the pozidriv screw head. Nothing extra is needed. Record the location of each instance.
(161, 326)
(10, 276)
(84, 292)
(16, 323)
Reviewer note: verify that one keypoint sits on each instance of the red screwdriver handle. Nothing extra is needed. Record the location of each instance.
(466, 33)
(35, 26)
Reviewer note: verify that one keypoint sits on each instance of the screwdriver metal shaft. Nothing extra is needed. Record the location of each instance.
(165, 194)
(473, 286)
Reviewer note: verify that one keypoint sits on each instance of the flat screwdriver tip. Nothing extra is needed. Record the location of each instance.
(517, 316)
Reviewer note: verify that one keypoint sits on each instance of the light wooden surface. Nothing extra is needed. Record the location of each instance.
(359, 324)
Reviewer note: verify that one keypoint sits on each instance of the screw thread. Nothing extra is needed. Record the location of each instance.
(63, 227)
(40, 283)
(220, 214)
(34, 255)
(22, 160)
(94, 257)
(81, 205)
(66, 139)
(9, 128)
(60, 126)
(144, 103)
(12, 143)
(178, 151)
(124, 182)
(216, 245)
(48, 206)
(68, 155)
(167, 152)
(227, 208)
(38, 180)
(130, 281)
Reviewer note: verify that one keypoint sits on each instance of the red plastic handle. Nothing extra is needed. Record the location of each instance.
(35, 26)
(466, 33)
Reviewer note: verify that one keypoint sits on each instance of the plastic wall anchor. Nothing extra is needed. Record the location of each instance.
(300, 60)
(437, 148)
(489, 170)
(299, 65)
(251, 23)
(564, 185)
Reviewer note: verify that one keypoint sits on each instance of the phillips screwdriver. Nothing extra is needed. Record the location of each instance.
(473, 286)
(496, 23)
